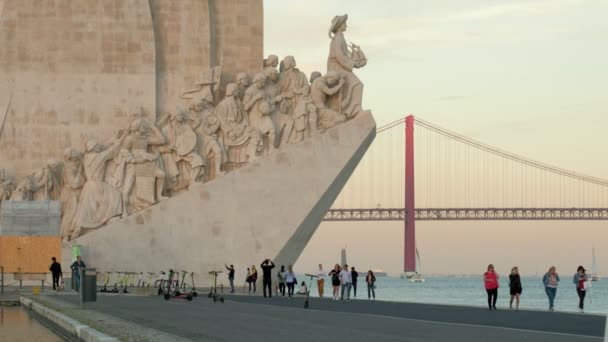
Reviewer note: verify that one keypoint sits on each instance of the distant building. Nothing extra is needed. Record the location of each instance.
(343, 257)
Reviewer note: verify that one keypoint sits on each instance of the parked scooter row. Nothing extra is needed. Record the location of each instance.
(176, 285)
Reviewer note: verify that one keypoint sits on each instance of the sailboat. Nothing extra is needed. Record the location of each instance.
(594, 276)
(417, 277)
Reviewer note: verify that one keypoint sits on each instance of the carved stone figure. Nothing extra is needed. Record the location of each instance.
(242, 82)
(259, 109)
(323, 88)
(6, 186)
(44, 182)
(203, 121)
(23, 191)
(291, 81)
(342, 61)
(314, 75)
(144, 178)
(281, 119)
(73, 180)
(234, 123)
(183, 164)
(271, 61)
(304, 115)
(99, 201)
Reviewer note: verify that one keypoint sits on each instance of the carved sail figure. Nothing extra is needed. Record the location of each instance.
(291, 81)
(342, 61)
(256, 103)
(73, 181)
(283, 123)
(99, 201)
(44, 183)
(305, 115)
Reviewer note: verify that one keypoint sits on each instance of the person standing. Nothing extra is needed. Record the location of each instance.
(370, 280)
(514, 287)
(580, 277)
(335, 280)
(231, 277)
(281, 279)
(76, 266)
(267, 266)
(320, 281)
(354, 275)
(254, 278)
(491, 283)
(291, 280)
(346, 280)
(551, 279)
(55, 272)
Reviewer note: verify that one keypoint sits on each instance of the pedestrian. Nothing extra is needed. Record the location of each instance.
(580, 280)
(76, 266)
(248, 279)
(370, 279)
(335, 280)
(230, 277)
(281, 279)
(551, 279)
(515, 288)
(346, 281)
(490, 279)
(267, 266)
(303, 289)
(254, 278)
(320, 281)
(55, 272)
(354, 275)
(290, 279)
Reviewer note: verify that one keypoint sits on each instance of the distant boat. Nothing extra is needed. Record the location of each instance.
(379, 272)
(594, 276)
(414, 277)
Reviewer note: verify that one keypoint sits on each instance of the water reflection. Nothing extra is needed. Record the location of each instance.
(17, 325)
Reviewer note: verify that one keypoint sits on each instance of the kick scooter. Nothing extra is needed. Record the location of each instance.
(306, 302)
(213, 293)
(172, 289)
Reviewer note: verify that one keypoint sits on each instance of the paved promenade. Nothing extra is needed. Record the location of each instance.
(246, 318)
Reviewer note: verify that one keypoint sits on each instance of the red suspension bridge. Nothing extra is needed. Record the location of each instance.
(454, 177)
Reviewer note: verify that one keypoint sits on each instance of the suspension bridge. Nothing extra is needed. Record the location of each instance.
(416, 170)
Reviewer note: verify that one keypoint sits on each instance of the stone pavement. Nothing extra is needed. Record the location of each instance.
(247, 318)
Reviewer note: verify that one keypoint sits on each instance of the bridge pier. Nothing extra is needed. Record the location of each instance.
(410, 221)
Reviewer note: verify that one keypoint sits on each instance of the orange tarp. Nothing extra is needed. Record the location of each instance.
(28, 254)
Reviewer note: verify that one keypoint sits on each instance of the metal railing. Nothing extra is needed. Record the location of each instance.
(1, 279)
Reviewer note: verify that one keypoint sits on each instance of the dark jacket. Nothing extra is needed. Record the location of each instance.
(354, 275)
(76, 267)
(55, 269)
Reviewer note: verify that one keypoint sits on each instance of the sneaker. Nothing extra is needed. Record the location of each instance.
(551, 309)
(494, 307)
(581, 310)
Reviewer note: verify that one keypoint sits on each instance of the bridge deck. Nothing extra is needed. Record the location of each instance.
(247, 318)
(469, 214)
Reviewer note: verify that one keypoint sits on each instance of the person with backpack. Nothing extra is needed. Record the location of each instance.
(335, 280)
(580, 279)
(253, 278)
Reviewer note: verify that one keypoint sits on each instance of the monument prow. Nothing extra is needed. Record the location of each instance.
(269, 208)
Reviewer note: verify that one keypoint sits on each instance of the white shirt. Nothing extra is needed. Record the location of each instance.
(346, 276)
(321, 274)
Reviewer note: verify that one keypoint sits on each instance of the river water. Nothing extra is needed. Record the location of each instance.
(16, 325)
(470, 291)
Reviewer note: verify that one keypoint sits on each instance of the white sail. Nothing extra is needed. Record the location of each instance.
(594, 276)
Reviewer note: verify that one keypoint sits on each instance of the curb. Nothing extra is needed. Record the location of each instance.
(82, 331)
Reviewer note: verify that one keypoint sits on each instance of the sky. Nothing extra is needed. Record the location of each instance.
(527, 76)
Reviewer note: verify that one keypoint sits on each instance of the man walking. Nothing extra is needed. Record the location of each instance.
(231, 277)
(56, 272)
(346, 281)
(320, 280)
(354, 275)
(76, 266)
(267, 267)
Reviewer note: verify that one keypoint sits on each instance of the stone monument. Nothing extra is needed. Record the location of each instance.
(182, 147)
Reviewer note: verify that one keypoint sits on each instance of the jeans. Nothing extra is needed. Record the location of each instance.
(355, 290)
(290, 288)
(581, 298)
(282, 289)
(370, 288)
(347, 287)
(267, 283)
(231, 279)
(55, 281)
(492, 296)
(77, 280)
(551, 292)
(252, 283)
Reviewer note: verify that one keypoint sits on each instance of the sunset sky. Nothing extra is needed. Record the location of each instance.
(527, 76)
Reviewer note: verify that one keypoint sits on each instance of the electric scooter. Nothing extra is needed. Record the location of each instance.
(105, 283)
(213, 293)
(183, 284)
(311, 276)
(172, 288)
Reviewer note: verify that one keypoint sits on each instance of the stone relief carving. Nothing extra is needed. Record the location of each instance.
(147, 162)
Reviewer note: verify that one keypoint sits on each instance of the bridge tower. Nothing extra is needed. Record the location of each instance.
(409, 263)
